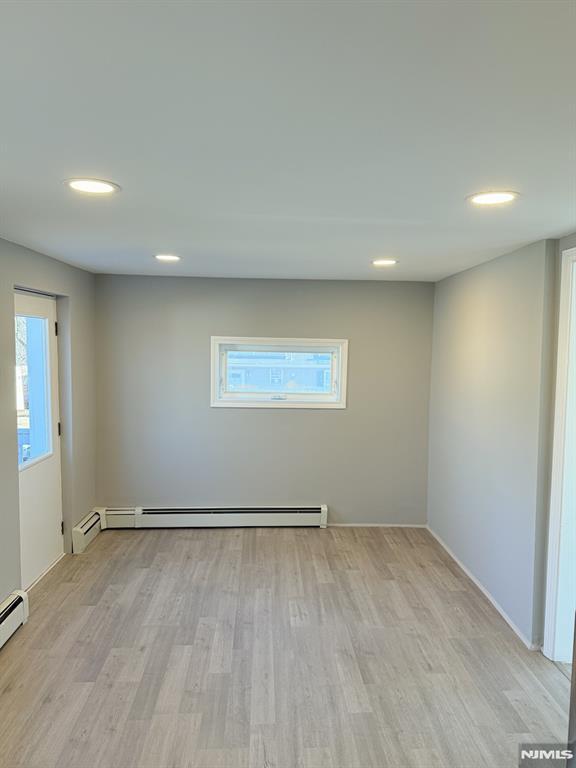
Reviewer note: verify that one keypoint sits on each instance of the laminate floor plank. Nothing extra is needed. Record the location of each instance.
(270, 648)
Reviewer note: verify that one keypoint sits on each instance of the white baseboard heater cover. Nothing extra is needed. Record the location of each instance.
(211, 517)
(85, 531)
(13, 613)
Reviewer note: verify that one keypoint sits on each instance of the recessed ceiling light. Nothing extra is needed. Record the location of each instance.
(384, 262)
(93, 186)
(493, 198)
(167, 257)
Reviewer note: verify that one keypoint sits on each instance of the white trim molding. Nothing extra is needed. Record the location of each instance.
(47, 571)
(223, 397)
(378, 525)
(555, 526)
(528, 643)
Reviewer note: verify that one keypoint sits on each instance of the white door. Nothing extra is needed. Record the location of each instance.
(561, 575)
(41, 541)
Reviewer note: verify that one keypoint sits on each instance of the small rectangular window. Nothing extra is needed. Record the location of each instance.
(279, 373)
(32, 389)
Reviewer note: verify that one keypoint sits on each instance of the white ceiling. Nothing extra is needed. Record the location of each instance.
(287, 139)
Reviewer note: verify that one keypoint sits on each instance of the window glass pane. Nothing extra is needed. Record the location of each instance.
(278, 372)
(32, 388)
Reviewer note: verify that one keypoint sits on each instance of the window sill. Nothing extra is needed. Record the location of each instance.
(274, 404)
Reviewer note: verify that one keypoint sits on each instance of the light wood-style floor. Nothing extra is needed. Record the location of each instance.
(335, 648)
(565, 668)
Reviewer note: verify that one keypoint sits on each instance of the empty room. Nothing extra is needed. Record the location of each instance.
(287, 383)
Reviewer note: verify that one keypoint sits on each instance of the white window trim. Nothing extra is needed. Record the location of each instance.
(259, 400)
(36, 460)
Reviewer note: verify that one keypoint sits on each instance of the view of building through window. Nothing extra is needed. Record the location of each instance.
(275, 371)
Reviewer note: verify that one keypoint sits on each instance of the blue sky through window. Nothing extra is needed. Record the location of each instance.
(32, 388)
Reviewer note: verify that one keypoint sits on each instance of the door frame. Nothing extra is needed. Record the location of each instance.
(567, 297)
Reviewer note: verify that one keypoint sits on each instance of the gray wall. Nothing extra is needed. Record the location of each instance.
(567, 242)
(490, 411)
(159, 442)
(24, 268)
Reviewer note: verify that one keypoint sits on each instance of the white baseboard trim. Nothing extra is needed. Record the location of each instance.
(45, 572)
(530, 645)
(377, 525)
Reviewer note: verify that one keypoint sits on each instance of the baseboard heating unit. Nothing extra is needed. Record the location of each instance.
(13, 613)
(211, 517)
(85, 531)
